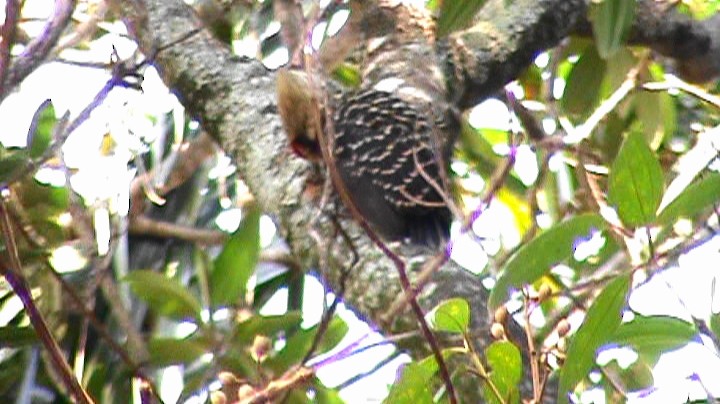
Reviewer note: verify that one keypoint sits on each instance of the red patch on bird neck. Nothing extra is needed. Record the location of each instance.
(306, 148)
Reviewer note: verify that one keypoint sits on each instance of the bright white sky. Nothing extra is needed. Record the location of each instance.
(71, 88)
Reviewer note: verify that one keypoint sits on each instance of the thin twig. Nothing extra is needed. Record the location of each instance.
(63, 128)
(89, 315)
(615, 384)
(174, 171)
(362, 375)
(496, 182)
(583, 131)
(674, 83)
(352, 349)
(146, 226)
(290, 380)
(447, 200)
(532, 350)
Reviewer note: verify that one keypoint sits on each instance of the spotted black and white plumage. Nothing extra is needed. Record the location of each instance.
(385, 152)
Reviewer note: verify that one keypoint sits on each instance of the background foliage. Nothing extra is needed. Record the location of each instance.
(615, 179)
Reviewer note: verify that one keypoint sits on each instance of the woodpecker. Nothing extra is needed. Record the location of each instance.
(392, 137)
(387, 159)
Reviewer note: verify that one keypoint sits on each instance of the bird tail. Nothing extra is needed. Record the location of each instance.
(431, 230)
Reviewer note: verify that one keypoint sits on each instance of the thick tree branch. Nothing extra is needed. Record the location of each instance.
(503, 42)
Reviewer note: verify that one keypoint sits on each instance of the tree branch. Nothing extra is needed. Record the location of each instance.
(7, 31)
(37, 50)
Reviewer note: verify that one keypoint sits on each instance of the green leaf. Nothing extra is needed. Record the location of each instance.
(456, 15)
(452, 315)
(335, 332)
(505, 363)
(536, 258)
(240, 362)
(415, 384)
(299, 344)
(655, 111)
(433, 5)
(413, 387)
(97, 380)
(693, 200)
(659, 124)
(699, 10)
(12, 370)
(609, 137)
(532, 82)
(635, 377)
(16, 337)
(324, 394)
(269, 326)
(45, 198)
(39, 136)
(297, 396)
(583, 84)
(611, 22)
(236, 263)
(652, 336)
(601, 321)
(11, 161)
(651, 117)
(170, 351)
(636, 182)
(617, 73)
(164, 295)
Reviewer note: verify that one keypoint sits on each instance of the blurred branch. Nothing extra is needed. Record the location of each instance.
(84, 30)
(584, 131)
(38, 49)
(182, 164)
(291, 379)
(292, 27)
(135, 342)
(7, 31)
(138, 349)
(143, 225)
(673, 83)
(11, 269)
(362, 375)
